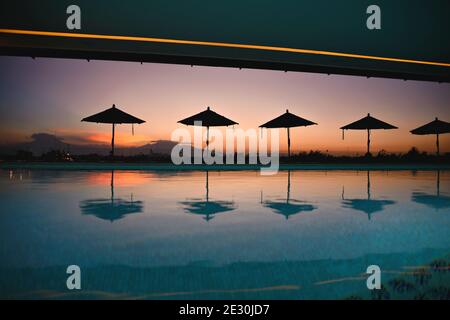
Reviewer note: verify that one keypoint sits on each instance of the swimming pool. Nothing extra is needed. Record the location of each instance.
(218, 234)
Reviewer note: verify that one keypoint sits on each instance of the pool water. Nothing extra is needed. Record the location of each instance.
(217, 235)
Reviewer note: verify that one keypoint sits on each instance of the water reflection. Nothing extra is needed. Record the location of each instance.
(163, 255)
(436, 201)
(112, 208)
(369, 205)
(288, 207)
(207, 207)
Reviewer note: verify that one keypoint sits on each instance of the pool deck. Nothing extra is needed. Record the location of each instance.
(171, 167)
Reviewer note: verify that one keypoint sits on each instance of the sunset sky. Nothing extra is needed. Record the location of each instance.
(53, 95)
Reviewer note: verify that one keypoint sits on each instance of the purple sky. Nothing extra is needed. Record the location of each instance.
(52, 95)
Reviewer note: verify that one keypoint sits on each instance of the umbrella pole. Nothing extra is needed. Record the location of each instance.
(112, 185)
(368, 191)
(207, 138)
(368, 141)
(207, 187)
(289, 187)
(112, 140)
(289, 142)
(438, 182)
(437, 144)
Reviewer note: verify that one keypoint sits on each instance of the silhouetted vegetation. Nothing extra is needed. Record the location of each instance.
(381, 294)
(422, 276)
(401, 285)
(413, 156)
(439, 293)
(430, 282)
(440, 265)
(23, 155)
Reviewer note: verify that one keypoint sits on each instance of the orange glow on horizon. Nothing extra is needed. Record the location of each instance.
(124, 140)
(121, 178)
(302, 140)
(162, 94)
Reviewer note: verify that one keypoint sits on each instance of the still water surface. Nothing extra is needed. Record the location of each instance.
(211, 235)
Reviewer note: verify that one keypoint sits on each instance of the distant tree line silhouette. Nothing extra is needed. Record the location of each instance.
(414, 155)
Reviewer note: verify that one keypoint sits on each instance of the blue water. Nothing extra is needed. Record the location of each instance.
(216, 235)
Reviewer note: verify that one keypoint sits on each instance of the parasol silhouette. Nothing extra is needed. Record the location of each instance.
(113, 116)
(436, 127)
(287, 120)
(368, 123)
(208, 118)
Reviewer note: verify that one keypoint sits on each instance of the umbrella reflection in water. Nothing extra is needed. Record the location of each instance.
(288, 207)
(368, 205)
(436, 201)
(206, 207)
(110, 209)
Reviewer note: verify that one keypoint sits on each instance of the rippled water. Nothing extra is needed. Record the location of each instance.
(210, 235)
